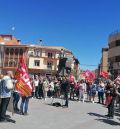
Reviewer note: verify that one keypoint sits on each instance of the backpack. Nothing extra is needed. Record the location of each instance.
(57, 104)
(93, 88)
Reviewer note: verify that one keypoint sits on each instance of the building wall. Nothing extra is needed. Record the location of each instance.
(44, 59)
(9, 40)
(105, 60)
(114, 53)
(10, 59)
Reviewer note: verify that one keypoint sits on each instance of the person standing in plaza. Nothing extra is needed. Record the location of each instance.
(24, 105)
(40, 85)
(45, 87)
(111, 93)
(36, 83)
(16, 97)
(100, 89)
(6, 85)
(81, 91)
(93, 92)
(66, 84)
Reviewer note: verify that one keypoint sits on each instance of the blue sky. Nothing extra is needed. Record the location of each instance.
(83, 26)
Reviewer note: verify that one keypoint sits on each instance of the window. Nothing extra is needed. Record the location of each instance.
(49, 65)
(11, 51)
(21, 51)
(36, 62)
(7, 51)
(50, 55)
(112, 44)
(12, 63)
(117, 58)
(37, 53)
(118, 63)
(31, 53)
(7, 38)
(16, 51)
(117, 42)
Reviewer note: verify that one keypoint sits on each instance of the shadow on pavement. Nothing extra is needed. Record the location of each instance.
(95, 114)
(105, 119)
(110, 122)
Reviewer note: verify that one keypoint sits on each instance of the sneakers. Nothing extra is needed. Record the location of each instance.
(25, 113)
(21, 113)
(64, 106)
(7, 116)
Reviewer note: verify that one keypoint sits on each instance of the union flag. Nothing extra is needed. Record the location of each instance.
(89, 75)
(118, 79)
(23, 84)
(104, 74)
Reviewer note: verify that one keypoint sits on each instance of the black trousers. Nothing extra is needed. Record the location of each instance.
(36, 91)
(101, 97)
(66, 99)
(72, 93)
(111, 107)
(3, 107)
(16, 98)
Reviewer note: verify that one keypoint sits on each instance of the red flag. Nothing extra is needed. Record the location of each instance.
(118, 79)
(23, 84)
(104, 74)
(89, 75)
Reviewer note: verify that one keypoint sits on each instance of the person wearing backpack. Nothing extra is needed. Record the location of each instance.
(93, 92)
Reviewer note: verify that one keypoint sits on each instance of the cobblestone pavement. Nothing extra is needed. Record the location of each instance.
(78, 116)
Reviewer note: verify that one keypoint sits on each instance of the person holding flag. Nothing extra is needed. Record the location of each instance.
(23, 86)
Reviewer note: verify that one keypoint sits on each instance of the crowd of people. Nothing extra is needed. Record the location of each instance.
(107, 92)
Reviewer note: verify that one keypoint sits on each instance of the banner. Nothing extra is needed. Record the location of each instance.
(117, 80)
(89, 75)
(23, 84)
(104, 74)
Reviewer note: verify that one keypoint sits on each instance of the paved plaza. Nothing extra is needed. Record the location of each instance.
(78, 116)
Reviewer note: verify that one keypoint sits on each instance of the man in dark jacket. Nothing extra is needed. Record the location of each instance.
(65, 88)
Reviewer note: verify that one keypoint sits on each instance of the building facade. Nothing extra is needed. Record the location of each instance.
(44, 60)
(114, 54)
(41, 60)
(104, 60)
(11, 51)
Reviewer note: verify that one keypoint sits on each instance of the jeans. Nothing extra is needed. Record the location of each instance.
(3, 107)
(16, 99)
(81, 95)
(101, 97)
(24, 104)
